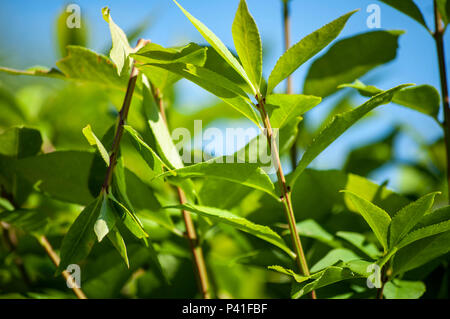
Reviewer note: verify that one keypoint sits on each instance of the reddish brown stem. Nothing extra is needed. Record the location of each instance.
(191, 234)
(55, 259)
(439, 39)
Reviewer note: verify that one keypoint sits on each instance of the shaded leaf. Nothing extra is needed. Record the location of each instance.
(405, 219)
(117, 241)
(332, 257)
(80, 238)
(420, 252)
(64, 175)
(105, 220)
(154, 53)
(226, 168)
(402, 289)
(151, 158)
(129, 219)
(409, 8)
(422, 98)
(213, 82)
(321, 279)
(262, 232)
(349, 59)
(30, 221)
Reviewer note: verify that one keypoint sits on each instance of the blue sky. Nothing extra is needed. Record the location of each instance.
(28, 31)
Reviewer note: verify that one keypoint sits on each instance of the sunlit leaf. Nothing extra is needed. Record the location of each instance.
(248, 43)
(262, 232)
(304, 50)
(376, 217)
(218, 45)
(338, 126)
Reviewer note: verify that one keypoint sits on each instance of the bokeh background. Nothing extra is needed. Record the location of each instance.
(28, 38)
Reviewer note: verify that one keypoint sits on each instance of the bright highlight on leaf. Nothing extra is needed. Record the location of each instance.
(94, 141)
(120, 51)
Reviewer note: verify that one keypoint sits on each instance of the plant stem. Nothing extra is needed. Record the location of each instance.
(55, 259)
(191, 234)
(287, 39)
(439, 39)
(12, 246)
(384, 280)
(44, 243)
(123, 114)
(196, 249)
(285, 194)
(289, 89)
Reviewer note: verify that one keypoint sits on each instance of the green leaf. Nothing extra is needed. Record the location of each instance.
(424, 232)
(422, 98)
(409, 8)
(151, 158)
(298, 278)
(376, 217)
(408, 217)
(349, 59)
(105, 220)
(117, 241)
(444, 10)
(248, 43)
(262, 232)
(164, 143)
(332, 257)
(283, 108)
(36, 71)
(366, 159)
(214, 83)
(225, 167)
(420, 252)
(121, 49)
(154, 53)
(94, 141)
(129, 219)
(81, 65)
(20, 142)
(80, 238)
(323, 278)
(215, 42)
(84, 65)
(30, 221)
(338, 126)
(64, 175)
(358, 240)
(402, 289)
(310, 228)
(17, 143)
(305, 49)
(215, 62)
(69, 36)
